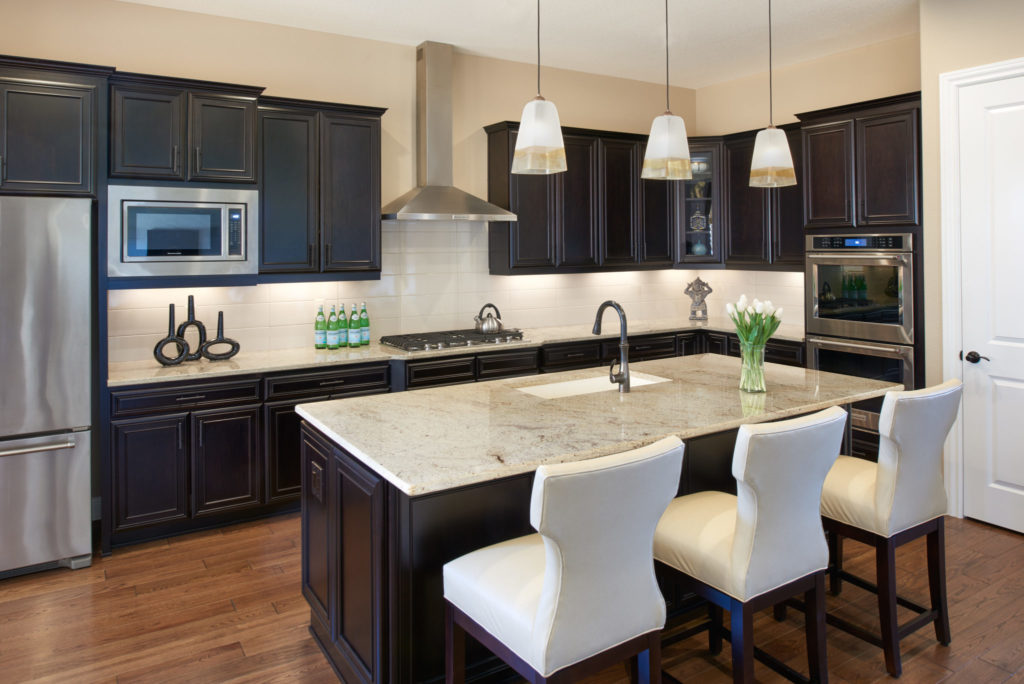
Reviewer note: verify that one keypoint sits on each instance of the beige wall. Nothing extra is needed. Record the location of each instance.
(954, 35)
(887, 68)
(306, 64)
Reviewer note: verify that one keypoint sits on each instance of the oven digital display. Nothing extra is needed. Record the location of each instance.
(855, 242)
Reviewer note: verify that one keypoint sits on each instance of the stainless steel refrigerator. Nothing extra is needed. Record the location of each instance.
(45, 380)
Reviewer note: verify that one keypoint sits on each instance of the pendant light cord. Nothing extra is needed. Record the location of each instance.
(538, 48)
(667, 108)
(771, 109)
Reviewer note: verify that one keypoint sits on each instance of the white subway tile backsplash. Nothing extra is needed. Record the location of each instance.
(435, 276)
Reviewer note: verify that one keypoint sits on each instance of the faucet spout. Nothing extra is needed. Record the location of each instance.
(622, 377)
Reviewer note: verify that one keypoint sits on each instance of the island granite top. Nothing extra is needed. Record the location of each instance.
(435, 439)
(125, 373)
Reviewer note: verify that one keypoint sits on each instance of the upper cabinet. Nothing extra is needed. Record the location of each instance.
(319, 187)
(764, 226)
(700, 207)
(48, 136)
(862, 164)
(177, 129)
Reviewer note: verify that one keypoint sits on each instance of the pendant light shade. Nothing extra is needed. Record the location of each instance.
(668, 152)
(772, 163)
(539, 146)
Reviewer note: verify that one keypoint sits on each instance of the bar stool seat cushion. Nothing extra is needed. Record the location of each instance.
(695, 536)
(499, 586)
(849, 494)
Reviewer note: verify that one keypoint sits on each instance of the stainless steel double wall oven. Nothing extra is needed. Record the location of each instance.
(860, 309)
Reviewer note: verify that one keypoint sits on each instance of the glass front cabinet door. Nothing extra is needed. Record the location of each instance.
(700, 205)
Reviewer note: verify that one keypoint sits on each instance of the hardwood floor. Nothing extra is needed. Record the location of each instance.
(225, 606)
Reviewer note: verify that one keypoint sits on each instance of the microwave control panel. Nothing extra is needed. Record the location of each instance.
(890, 243)
(236, 227)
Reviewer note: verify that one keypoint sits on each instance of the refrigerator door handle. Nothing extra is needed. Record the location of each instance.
(68, 443)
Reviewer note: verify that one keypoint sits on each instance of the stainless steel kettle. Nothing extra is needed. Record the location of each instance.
(491, 323)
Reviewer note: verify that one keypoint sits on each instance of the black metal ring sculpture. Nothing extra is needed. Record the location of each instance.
(220, 339)
(191, 321)
(183, 350)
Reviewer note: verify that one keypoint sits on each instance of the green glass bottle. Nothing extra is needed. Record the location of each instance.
(332, 330)
(320, 329)
(354, 333)
(342, 327)
(364, 324)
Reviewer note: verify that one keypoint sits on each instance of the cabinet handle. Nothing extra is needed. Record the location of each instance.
(174, 158)
(200, 435)
(3, 168)
(199, 158)
(327, 260)
(309, 254)
(195, 397)
(316, 477)
(181, 441)
(332, 382)
(574, 356)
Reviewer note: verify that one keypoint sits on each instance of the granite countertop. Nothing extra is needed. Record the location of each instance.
(436, 439)
(150, 372)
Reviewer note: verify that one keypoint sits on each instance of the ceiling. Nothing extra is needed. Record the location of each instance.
(710, 40)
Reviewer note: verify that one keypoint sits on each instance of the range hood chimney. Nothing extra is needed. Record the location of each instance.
(435, 198)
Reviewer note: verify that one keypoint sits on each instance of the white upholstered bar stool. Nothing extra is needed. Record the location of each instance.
(747, 552)
(581, 595)
(891, 502)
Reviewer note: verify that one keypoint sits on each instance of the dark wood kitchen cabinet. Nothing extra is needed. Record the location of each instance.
(619, 200)
(764, 225)
(699, 204)
(319, 187)
(576, 226)
(150, 470)
(226, 460)
(181, 129)
(48, 119)
(862, 164)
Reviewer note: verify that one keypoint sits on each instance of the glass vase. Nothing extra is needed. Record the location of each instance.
(752, 367)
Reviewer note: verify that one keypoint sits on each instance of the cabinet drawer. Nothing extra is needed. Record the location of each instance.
(335, 382)
(577, 355)
(642, 348)
(787, 353)
(718, 343)
(446, 372)
(135, 401)
(491, 366)
(690, 343)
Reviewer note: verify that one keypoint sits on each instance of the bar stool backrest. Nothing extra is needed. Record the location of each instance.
(597, 518)
(780, 469)
(913, 427)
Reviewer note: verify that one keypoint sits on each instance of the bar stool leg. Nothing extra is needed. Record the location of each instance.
(936, 541)
(454, 649)
(885, 567)
(741, 619)
(814, 626)
(835, 566)
(715, 629)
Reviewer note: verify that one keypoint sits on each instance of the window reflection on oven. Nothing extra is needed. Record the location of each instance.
(860, 293)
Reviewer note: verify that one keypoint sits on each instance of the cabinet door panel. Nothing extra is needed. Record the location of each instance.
(48, 138)
(788, 213)
(350, 192)
(289, 178)
(658, 230)
(148, 133)
(717, 343)
(828, 175)
(223, 138)
(282, 428)
(317, 537)
(578, 243)
(887, 156)
(691, 343)
(149, 470)
(620, 211)
(225, 459)
(747, 241)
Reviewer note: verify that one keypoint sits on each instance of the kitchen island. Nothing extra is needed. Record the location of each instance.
(396, 485)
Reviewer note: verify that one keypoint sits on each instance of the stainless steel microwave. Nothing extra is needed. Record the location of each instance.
(175, 231)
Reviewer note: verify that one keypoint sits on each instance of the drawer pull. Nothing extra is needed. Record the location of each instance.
(575, 355)
(194, 397)
(325, 383)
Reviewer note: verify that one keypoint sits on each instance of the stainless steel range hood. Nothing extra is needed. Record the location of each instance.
(435, 198)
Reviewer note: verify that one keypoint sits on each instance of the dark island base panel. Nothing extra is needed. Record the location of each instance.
(372, 557)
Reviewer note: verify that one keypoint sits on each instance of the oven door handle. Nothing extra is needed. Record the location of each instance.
(833, 256)
(850, 345)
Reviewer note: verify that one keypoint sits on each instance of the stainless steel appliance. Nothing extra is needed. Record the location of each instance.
(45, 383)
(451, 338)
(861, 286)
(162, 231)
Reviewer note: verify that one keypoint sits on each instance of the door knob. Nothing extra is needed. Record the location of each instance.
(973, 357)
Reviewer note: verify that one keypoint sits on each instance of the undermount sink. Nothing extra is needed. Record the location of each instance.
(570, 388)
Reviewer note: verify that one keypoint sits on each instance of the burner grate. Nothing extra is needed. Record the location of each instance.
(450, 338)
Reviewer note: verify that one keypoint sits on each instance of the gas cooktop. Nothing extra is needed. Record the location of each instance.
(451, 338)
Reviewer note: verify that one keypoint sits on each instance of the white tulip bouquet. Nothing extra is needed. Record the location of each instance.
(755, 322)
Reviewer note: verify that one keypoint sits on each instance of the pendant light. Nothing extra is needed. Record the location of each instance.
(539, 146)
(772, 163)
(668, 152)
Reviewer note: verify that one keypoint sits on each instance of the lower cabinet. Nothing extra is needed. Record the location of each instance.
(281, 428)
(150, 473)
(226, 460)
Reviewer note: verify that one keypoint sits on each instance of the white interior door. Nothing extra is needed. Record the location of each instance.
(992, 263)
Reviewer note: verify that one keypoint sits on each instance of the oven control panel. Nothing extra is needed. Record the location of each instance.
(897, 242)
